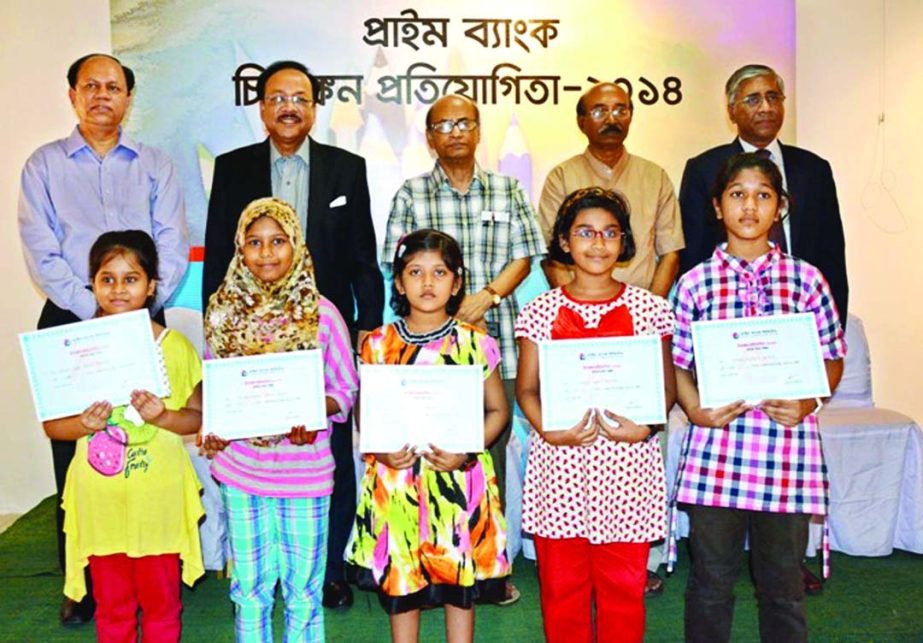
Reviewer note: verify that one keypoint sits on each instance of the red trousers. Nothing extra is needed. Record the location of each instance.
(572, 572)
(121, 585)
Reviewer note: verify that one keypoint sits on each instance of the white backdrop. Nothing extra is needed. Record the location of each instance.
(838, 61)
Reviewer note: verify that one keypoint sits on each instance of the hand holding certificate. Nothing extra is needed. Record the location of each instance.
(105, 359)
(758, 358)
(619, 374)
(419, 406)
(263, 395)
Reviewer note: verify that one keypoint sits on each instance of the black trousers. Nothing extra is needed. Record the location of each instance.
(497, 450)
(343, 502)
(62, 452)
(777, 544)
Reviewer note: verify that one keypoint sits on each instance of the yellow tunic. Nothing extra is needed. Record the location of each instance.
(153, 506)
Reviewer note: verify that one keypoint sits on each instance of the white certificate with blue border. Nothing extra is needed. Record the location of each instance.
(69, 367)
(421, 405)
(619, 374)
(263, 395)
(758, 358)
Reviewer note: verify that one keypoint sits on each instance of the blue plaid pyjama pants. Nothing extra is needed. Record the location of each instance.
(277, 540)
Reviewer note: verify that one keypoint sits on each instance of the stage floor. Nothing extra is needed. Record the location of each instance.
(867, 599)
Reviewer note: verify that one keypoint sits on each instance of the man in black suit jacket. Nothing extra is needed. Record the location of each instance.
(339, 231)
(328, 188)
(814, 230)
(756, 105)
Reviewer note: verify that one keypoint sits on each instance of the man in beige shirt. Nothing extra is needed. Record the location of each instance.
(604, 116)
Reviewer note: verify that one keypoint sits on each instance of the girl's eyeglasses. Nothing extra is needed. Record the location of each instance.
(588, 234)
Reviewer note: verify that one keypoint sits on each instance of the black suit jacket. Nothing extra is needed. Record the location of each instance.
(341, 239)
(814, 214)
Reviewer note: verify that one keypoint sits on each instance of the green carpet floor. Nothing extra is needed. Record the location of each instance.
(867, 599)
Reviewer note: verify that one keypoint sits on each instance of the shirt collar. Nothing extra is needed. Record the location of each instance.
(441, 179)
(303, 152)
(740, 265)
(75, 142)
(604, 171)
(774, 148)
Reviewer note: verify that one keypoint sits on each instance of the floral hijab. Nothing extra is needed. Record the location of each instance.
(248, 316)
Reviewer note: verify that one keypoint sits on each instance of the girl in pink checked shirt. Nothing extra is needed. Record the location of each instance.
(277, 489)
(747, 469)
(594, 495)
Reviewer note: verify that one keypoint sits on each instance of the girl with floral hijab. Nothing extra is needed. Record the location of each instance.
(277, 489)
(248, 316)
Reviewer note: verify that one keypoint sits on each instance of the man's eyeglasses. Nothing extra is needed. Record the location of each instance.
(588, 234)
(278, 100)
(601, 112)
(755, 100)
(446, 126)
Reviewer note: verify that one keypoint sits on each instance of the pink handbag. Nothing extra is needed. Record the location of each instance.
(106, 450)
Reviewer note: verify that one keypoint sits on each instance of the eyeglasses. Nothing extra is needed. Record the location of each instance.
(446, 126)
(278, 100)
(588, 234)
(601, 112)
(755, 100)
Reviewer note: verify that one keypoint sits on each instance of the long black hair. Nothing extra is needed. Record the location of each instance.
(734, 165)
(134, 242)
(584, 199)
(422, 241)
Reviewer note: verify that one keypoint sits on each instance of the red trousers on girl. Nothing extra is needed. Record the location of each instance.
(572, 572)
(121, 585)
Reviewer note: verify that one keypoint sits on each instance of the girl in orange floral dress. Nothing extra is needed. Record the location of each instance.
(429, 528)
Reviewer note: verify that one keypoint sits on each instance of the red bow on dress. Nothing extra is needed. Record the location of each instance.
(570, 325)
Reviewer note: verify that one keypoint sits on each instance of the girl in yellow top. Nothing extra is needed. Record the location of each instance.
(131, 498)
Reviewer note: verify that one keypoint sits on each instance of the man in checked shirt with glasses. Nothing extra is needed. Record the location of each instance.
(492, 220)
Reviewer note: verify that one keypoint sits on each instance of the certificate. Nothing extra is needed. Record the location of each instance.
(758, 358)
(263, 395)
(421, 405)
(620, 374)
(69, 367)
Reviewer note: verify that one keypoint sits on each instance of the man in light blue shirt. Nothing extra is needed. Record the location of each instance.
(96, 180)
(290, 179)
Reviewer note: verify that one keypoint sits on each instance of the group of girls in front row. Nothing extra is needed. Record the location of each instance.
(429, 529)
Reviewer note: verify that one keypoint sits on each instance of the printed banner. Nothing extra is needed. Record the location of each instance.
(381, 64)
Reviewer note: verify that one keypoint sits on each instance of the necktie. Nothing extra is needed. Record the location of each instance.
(776, 232)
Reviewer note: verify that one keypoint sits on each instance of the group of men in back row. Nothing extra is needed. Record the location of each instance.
(99, 179)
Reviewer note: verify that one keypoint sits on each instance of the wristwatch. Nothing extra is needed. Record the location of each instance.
(494, 296)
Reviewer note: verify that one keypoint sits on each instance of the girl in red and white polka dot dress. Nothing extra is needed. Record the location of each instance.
(594, 495)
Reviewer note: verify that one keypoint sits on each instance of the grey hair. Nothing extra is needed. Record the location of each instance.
(746, 73)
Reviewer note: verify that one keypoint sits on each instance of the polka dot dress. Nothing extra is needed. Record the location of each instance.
(610, 491)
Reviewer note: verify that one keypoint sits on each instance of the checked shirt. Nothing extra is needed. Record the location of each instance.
(493, 223)
(754, 463)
